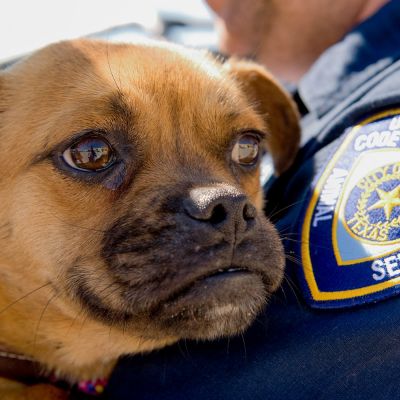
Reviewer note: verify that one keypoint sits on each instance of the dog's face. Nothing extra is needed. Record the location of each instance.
(129, 183)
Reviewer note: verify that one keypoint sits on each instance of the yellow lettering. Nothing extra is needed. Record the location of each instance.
(396, 169)
(364, 232)
(363, 185)
(383, 234)
(373, 234)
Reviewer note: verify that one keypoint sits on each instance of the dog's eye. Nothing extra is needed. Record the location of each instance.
(246, 149)
(91, 153)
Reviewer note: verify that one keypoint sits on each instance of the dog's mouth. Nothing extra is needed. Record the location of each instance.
(227, 271)
(218, 275)
(223, 302)
(220, 302)
(213, 277)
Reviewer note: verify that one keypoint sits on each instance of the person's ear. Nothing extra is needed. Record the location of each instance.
(216, 5)
(275, 106)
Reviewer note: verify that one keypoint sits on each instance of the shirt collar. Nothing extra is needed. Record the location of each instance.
(363, 53)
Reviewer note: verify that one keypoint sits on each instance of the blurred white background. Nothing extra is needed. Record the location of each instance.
(26, 25)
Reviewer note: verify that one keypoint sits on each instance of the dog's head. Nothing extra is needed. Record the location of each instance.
(129, 183)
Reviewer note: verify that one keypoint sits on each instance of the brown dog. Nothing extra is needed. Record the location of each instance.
(131, 209)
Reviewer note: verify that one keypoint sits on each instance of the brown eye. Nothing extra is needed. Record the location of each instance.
(246, 149)
(91, 153)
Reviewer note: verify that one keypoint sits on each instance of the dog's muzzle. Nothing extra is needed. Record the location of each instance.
(197, 262)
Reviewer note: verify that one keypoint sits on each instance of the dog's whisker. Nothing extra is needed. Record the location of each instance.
(244, 345)
(292, 287)
(280, 210)
(228, 342)
(282, 289)
(183, 353)
(186, 347)
(41, 317)
(110, 69)
(297, 261)
(24, 297)
(313, 244)
(286, 229)
(294, 259)
(285, 232)
(306, 242)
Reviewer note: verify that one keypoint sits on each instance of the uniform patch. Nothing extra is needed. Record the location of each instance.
(351, 231)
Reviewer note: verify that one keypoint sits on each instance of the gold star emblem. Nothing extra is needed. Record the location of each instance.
(388, 200)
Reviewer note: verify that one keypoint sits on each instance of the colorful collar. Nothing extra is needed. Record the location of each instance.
(25, 369)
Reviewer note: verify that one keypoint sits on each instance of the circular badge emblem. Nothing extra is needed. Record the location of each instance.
(372, 210)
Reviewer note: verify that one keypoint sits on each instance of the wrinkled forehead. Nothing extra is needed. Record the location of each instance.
(172, 82)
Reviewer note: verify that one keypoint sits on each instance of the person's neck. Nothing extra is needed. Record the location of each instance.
(292, 72)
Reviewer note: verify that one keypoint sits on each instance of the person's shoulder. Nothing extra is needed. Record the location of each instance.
(342, 197)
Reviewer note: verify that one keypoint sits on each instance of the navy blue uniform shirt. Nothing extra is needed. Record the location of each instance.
(333, 330)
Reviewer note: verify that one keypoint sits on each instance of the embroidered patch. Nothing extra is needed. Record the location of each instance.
(351, 231)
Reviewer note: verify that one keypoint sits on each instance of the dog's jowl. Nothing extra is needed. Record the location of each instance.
(131, 209)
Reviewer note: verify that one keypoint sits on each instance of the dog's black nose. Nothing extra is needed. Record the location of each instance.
(222, 206)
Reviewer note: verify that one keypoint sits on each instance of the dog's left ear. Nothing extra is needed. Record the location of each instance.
(274, 104)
